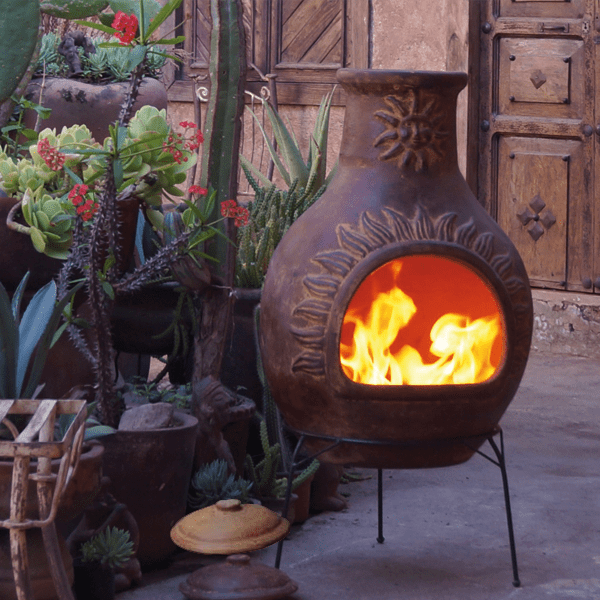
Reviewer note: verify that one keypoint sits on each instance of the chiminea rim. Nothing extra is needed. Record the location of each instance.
(342, 384)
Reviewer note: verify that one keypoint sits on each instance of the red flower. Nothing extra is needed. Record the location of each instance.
(52, 157)
(228, 208)
(126, 26)
(86, 208)
(242, 216)
(197, 190)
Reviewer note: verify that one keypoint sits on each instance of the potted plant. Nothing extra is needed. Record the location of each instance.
(271, 213)
(269, 484)
(99, 557)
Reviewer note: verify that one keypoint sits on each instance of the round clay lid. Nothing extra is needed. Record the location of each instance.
(229, 527)
(238, 578)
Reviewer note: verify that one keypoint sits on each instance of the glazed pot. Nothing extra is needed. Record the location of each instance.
(398, 201)
(150, 472)
(75, 102)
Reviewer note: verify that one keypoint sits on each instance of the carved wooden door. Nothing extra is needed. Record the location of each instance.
(533, 132)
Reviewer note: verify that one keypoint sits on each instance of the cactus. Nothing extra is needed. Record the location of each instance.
(73, 9)
(264, 474)
(19, 23)
(222, 130)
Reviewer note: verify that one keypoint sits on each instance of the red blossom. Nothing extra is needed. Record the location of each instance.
(228, 208)
(242, 216)
(126, 26)
(197, 190)
(85, 207)
(51, 156)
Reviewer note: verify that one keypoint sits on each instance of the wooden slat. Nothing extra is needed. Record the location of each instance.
(45, 409)
(5, 406)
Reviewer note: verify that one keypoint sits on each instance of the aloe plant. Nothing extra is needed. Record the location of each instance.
(25, 341)
(310, 175)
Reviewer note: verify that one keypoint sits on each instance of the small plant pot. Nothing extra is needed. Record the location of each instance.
(93, 581)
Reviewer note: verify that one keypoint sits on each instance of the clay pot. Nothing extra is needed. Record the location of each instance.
(150, 473)
(74, 102)
(398, 195)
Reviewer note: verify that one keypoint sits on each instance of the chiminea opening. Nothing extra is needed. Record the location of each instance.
(397, 250)
(422, 320)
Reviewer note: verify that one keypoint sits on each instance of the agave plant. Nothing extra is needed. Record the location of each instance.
(25, 340)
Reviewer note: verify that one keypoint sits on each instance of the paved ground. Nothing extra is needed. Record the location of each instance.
(445, 529)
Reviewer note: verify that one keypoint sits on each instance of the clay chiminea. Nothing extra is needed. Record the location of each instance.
(396, 315)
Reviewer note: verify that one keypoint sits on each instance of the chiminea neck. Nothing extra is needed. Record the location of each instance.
(400, 122)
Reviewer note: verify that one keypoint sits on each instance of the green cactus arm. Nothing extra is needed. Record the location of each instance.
(19, 22)
(73, 9)
(224, 121)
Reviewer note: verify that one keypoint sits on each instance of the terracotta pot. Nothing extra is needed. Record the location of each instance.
(150, 473)
(398, 198)
(74, 102)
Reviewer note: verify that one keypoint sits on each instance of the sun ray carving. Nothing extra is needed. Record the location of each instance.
(413, 135)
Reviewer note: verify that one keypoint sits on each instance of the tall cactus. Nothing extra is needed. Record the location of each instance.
(222, 130)
(222, 133)
(19, 23)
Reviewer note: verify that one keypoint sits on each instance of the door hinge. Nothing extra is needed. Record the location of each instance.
(585, 28)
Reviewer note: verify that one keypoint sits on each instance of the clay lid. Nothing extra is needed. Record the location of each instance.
(229, 527)
(238, 578)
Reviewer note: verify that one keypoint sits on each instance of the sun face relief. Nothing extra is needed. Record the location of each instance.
(399, 330)
(412, 133)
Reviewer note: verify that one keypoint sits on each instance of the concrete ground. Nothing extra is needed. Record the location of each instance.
(445, 529)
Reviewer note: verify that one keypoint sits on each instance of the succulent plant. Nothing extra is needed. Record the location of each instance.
(112, 547)
(265, 474)
(213, 482)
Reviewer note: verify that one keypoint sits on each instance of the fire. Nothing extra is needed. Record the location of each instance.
(384, 334)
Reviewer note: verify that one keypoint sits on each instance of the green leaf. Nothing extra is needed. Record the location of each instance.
(37, 238)
(162, 16)
(170, 41)
(108, 290)
(98, 26)
(136, 56)
(32, 326)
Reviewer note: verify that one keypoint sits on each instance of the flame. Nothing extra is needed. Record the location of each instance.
(383, 341)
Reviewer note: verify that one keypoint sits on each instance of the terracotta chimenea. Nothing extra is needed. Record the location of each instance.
(396, 314)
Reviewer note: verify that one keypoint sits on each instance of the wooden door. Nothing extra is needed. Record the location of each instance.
(534, 142)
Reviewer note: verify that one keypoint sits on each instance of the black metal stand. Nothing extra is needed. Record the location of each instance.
(499, 461)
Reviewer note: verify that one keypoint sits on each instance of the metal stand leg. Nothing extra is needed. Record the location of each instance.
(288, 494)
(511, 534)
(380, 537)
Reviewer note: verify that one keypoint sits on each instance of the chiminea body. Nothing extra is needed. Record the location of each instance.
(398, 198)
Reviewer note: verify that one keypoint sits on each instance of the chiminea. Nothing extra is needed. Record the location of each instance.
(396, 315)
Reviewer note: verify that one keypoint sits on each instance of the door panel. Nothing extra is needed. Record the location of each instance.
(534, 125)
(533, 183)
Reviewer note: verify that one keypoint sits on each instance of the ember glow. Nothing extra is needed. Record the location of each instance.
(422, 320)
